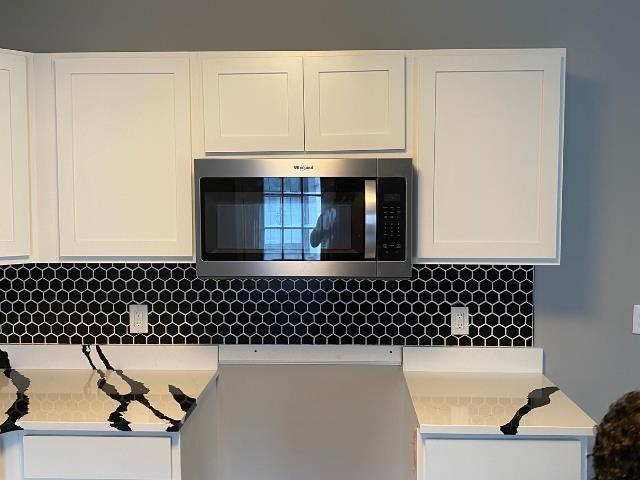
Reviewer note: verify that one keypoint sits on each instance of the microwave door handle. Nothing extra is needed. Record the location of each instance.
(370, 214)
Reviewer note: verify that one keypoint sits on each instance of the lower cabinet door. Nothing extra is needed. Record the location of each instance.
(502, 460)
(100, 458)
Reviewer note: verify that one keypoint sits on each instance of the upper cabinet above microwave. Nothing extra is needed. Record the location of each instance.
(295, 103)
(354, 102)
(489, 157)
(252, 104)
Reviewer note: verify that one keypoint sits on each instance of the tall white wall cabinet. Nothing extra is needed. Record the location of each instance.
(15, 214)
(124, 156)
(489, 156)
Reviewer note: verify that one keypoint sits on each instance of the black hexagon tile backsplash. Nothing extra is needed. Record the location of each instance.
(88, 303)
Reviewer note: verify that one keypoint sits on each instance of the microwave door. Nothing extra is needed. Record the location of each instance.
(309, 219)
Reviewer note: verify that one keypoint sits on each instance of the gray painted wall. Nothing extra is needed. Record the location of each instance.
(583, 307)
(313, 422)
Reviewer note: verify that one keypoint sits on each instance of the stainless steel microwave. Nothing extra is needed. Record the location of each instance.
(303, 217)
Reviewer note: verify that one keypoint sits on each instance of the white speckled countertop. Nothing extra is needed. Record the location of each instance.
(461, 391)
(482, 403)
(74, 400)
(155, 388)
(95, 394)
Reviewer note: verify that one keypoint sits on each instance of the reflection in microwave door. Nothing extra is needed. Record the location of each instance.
(325, 226)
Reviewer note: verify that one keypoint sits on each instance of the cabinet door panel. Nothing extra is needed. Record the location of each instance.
(489, 156)
(97, 458)
(15, 215)
(124, 157)
(502, 460)
(355, 102)
(253, 104)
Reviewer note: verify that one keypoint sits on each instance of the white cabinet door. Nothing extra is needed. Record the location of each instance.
(97, 458)
(124, 156)
(489, 156)
(354, 102)
(252, 104)
(15, 217)
(446, 459)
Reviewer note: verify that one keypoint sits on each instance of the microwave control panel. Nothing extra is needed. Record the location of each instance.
(392, 214)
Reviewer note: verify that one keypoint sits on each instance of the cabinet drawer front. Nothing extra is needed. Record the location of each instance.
(88, 458)
(502, 459)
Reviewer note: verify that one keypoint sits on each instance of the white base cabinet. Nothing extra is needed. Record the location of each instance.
(489, 156)
(500, 458)
(91, 457)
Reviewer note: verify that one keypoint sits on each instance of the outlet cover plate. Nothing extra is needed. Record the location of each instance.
(636, 319)
(459, 320)
(138, 319)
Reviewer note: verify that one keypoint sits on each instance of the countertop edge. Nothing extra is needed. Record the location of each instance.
(494, 430)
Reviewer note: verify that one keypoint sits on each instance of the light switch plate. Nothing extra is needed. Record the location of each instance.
(138, 319)
(636, 319)
(459, 320)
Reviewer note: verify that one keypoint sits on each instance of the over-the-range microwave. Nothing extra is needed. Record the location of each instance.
(320, 217)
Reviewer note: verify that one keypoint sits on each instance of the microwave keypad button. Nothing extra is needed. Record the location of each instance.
(391, 228)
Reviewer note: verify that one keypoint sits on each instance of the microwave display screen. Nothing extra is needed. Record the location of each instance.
(282, 218)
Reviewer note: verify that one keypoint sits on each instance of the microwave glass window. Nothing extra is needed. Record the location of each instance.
(287, 218)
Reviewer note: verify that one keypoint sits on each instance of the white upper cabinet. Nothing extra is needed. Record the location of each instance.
(354, 102)
(274, 104)
(15, 216)
(490, 156)
(252, 104)
(124, 156)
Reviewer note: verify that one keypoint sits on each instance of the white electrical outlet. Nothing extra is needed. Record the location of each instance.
(636, 319)
(459, 320)
(138, 319)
